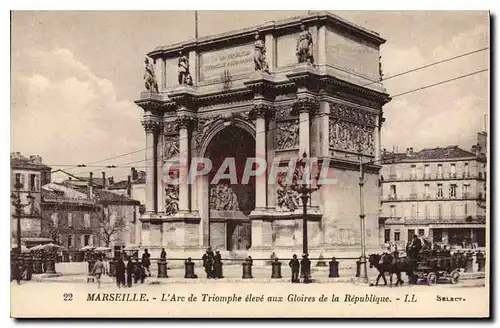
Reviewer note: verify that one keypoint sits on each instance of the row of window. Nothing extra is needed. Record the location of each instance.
(397, 234)
(426, 211)
(85, 240)
(70, 223)
(33, 181)
(452, 190)
(427, 170)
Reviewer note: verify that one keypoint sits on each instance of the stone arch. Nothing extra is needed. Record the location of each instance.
(229, 204)
(220, 125)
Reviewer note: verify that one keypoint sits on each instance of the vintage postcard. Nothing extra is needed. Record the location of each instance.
(185, 164)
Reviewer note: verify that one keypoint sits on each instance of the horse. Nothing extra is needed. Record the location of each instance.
(392, 265)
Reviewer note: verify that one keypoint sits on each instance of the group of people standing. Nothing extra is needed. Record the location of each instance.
(303, 266)
(134, 271)
(212, 264)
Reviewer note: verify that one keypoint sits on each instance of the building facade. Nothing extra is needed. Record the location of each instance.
(438, 193)
(88, 216)
(69, 217)
(30, 174)
(307, 84)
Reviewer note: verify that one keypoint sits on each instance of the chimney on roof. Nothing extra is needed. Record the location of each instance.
(129, 187)
(134, 174)
(104, 185)
(91, 187)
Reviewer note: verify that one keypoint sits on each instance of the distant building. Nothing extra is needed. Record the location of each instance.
(83, 215)
(29, 174)
(134, 188)
(438, 193)
(70, 218)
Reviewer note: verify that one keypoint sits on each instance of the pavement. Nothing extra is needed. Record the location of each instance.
(261, 274)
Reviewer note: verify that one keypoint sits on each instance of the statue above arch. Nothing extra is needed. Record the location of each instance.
(184, 76)
(149, 76)
(304, 51)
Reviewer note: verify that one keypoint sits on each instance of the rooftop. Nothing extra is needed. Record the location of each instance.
(438, 153)
(34, 162)
(277, 25)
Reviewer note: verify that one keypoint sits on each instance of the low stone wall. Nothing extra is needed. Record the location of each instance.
(68, 268)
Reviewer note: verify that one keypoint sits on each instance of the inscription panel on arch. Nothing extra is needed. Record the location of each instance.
(235, 60)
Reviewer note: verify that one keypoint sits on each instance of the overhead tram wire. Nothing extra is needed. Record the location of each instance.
(441, 82)
(429, 65)
(392, 76)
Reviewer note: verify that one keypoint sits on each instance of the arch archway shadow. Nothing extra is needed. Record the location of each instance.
(229, 201)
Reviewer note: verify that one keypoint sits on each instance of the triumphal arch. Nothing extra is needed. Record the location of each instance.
(307, 84)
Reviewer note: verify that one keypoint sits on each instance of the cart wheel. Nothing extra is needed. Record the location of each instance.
(455, 276)
(432, 278)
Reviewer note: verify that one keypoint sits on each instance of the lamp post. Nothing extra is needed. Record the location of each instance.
(362, 270)
(305, 190)
(18, 208)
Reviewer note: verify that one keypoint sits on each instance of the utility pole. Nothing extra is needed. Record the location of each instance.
(18, 208)
(362, 270)
(305, 190)
(196, 24)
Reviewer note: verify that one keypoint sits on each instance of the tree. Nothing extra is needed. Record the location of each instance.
(111, 223)
(54, 225)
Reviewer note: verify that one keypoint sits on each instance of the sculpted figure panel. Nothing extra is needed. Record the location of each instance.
(348, 136)
(223, 198)
(354, 114)
(172, 196)
(171, 146)
(287, 135)
(287, 199)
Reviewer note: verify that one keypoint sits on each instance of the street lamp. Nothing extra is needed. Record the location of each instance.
(305, 190)
(18, 208)
(362, 270)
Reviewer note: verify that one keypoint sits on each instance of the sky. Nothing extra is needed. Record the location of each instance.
(75, 76)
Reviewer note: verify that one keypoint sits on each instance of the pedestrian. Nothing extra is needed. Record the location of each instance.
(305, 265)
(120, 272)
(295, 266)
(208, 259)
(105, 261)
(139, 273)
(146, 262)
(217, 265)
(130, 271)
(97, 271)
(16, 271)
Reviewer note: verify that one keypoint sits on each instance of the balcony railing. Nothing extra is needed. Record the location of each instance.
(479, 219)
(415, 197)
(435, 176)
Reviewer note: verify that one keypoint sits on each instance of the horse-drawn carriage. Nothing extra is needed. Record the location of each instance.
(425, 263)
(433, 265)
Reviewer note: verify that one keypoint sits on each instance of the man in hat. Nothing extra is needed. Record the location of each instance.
(305, 265)
(414, 247)
(295, 266)
(217, 265)
(146, 262)
(208, 259)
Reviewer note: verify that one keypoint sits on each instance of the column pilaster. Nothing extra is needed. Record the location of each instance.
(159, 172)
(151, 126)
(184, 124)
(305, 107)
